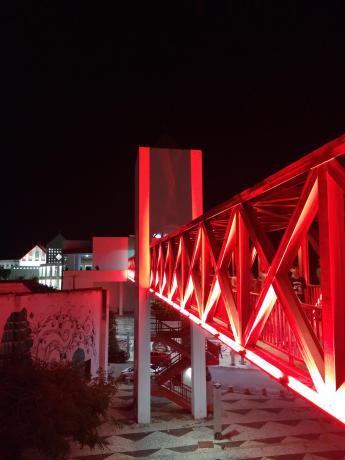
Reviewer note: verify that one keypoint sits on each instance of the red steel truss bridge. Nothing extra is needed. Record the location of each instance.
(229, 272)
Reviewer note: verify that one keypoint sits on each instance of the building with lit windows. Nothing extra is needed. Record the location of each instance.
(79, 264)
(34, 258)
(27, 267)
(9, 263)
(64, 254)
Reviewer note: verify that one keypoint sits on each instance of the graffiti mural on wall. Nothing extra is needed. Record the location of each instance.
(57, 336)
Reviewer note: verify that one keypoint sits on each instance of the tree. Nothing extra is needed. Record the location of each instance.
(44, 406)
(116, 354)
(5, 273)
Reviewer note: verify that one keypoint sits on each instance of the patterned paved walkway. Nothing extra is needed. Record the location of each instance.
(255, 427)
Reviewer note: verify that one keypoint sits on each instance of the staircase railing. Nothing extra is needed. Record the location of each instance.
(175, 360)
(159, 327)
(278, 334)
(180, 359)
(182, 390)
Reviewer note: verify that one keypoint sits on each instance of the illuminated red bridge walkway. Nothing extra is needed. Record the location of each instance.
(228, 271)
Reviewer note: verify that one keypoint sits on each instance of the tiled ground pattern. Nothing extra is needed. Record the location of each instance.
(254, 427)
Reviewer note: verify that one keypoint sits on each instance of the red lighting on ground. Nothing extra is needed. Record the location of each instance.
(319, 400)
(264, 365)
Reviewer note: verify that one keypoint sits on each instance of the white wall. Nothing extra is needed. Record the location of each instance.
(34, 258)
(63, 321)
(107, 279)
(110, 253)
(80, 279)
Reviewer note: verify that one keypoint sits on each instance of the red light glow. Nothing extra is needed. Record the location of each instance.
(264, 365)
(208, 264)
(320, 400)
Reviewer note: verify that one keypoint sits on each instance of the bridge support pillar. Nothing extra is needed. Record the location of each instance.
(142, 381)
(199, 396)
(121, 289)
(168, 194)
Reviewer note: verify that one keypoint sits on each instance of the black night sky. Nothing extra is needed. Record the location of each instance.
(254, 84)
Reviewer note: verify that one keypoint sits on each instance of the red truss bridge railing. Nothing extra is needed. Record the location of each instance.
(229, 272)
(131, 269)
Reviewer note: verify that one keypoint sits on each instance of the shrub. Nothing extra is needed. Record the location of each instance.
(115, 353)
(44, 406)
(120, 356)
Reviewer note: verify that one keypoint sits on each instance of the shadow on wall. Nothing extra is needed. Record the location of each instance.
(16, 337)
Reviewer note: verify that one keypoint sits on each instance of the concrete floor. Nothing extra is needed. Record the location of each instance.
(260, 425)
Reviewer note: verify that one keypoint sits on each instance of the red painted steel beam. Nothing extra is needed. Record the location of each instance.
(323, 154)
(206, 265)
(332, 262)
(243, 274)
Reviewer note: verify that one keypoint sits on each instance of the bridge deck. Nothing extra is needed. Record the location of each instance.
(229, 272)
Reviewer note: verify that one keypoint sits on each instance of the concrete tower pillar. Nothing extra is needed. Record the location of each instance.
(121, 289)
(168, 195)
(142, 337)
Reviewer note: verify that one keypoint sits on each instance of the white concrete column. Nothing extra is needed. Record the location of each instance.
(142, 356)
(199, 396)
(121, 288)
(143, 338)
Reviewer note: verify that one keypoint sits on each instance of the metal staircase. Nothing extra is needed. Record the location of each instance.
(177, 365)
(168, 381)
(179, 394)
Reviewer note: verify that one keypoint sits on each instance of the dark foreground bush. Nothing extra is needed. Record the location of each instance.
(43, 407)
